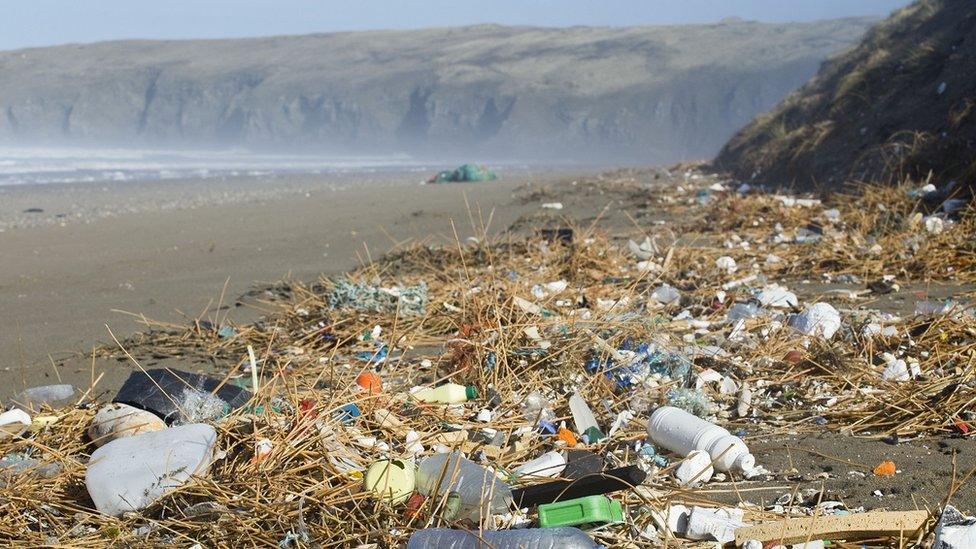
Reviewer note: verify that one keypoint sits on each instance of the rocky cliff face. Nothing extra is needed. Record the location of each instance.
(901, 104)
(642, 94)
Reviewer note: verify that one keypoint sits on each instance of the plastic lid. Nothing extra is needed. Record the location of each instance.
(594, 435)
(471, 392)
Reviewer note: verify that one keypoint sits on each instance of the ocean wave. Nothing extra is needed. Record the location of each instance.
(20, 166)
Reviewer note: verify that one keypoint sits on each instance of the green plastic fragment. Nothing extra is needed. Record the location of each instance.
(589, 510)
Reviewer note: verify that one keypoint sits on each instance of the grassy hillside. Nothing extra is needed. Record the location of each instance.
(900, 104)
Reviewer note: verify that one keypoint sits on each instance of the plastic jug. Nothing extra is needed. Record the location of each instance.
(474, 492)
(683, 433)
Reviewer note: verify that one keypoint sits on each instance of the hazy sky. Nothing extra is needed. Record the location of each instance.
(26, 23)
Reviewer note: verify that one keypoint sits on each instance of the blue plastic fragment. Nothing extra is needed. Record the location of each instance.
(490, 361)
(347, 413)
(376, 356)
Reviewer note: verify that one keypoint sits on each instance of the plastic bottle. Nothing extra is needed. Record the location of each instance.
(477, 490)
(449, 393)
(53, 395)
(536, 407)
(683, 433)
(530, 538)
(549, 464)
(584, 419)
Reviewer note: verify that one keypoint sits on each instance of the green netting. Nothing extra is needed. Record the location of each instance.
(465, 173)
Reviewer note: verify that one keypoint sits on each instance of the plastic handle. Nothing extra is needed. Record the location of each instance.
(613, 480)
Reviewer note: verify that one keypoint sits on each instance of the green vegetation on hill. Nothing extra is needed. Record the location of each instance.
(900, 104)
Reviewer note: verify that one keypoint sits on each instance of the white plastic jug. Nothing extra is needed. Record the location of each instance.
(683, 433)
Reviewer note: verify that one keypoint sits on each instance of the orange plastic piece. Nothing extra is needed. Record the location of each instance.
(371, 382)
(885, 469)
(566, 435)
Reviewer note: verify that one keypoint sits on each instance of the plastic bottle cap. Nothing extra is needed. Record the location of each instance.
(370, 382)
(566, 436)
(594, 435)
(414, 503)
(452, 507)
(471, 392)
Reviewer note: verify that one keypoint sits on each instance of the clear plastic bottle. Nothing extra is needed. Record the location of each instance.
(536, 407)
(474, 492)
(530, 538)
(683, 433)
(53, 395)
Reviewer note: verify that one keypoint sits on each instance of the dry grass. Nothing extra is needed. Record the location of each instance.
(309, 486)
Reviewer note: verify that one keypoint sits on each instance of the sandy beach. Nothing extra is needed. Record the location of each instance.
(170, 249)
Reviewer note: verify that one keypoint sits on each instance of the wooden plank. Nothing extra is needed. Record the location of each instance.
(846, 527)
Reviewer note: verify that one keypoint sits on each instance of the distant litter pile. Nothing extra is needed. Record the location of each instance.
(466, 173)
(564, 389)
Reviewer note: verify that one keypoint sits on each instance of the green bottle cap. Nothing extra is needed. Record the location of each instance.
(471, 392)
(452, 507)
(594, 435)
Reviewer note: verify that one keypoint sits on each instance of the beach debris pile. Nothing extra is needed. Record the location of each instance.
(465, 173)
(562, 388)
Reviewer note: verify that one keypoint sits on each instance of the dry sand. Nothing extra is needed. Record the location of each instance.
(166, 249)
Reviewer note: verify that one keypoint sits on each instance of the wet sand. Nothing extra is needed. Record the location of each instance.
(170, 250)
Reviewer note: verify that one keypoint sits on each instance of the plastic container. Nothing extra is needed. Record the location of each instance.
(683, 433)
(13, 423)
(391, 479)
(475, 492)
(449, 393)
(53, 395)
(536, 407)
(584, 419)
(588, 510)
(549, 464)
(534, 538)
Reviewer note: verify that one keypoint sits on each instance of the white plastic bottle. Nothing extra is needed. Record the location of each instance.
(449, 393)
(549, 464)
(682, 433)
